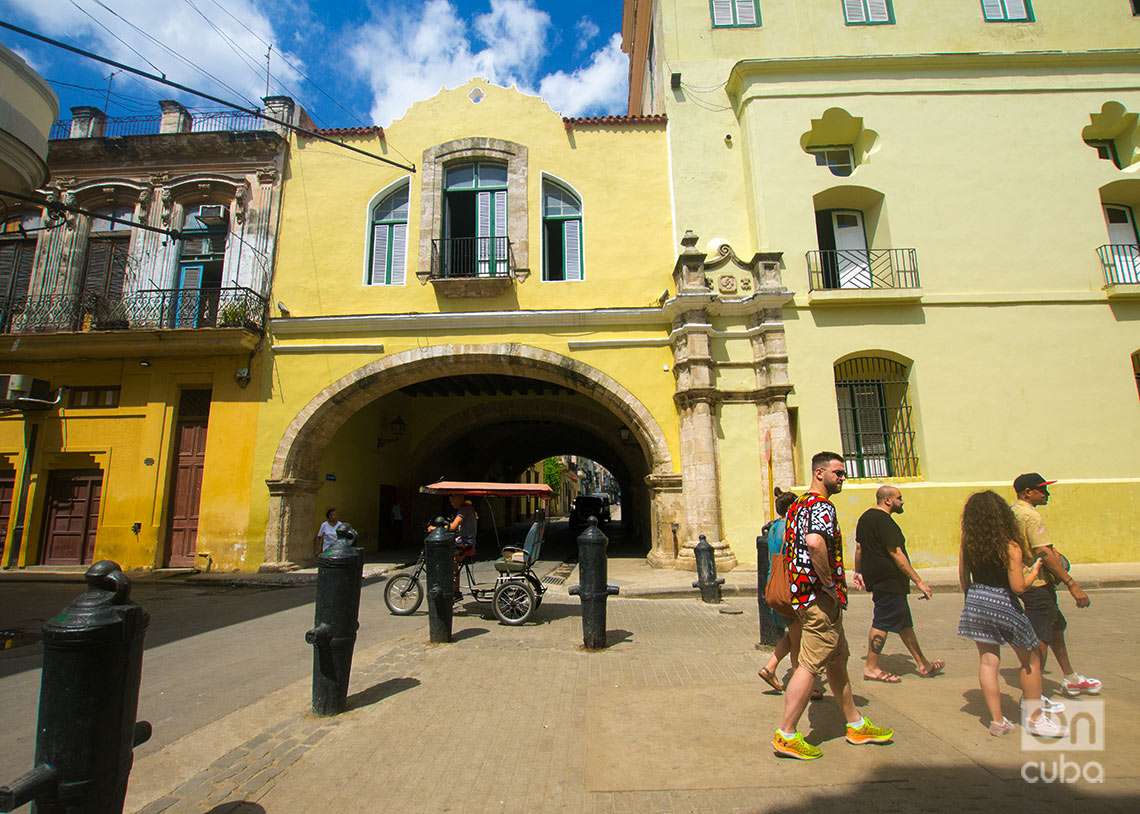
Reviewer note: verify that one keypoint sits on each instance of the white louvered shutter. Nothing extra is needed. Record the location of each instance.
(500, 247)
(483, 233)
(853, 10)
(1016, 10)
(572, 248)
(722, 12)
(878, 11)
(399, 252)
(993, 9)
(379, 253)
(746, 12)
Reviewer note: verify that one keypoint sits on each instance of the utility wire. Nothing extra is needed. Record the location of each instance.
(130, 47)
(281, 55)
(253, 111)
(56, 207)
(166, 47)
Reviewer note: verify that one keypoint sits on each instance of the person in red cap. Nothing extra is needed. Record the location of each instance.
(1040, 599)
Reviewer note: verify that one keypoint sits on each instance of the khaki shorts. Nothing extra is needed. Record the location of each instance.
(822, 640)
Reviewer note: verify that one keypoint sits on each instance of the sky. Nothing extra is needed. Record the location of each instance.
(349, 62)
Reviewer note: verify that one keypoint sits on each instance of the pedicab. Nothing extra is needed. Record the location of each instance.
(517, 591)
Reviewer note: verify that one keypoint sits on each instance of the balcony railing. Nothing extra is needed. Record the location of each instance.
(200, 122)
(234, 307)
(471, 258)
(1121, 263)
(862, 269)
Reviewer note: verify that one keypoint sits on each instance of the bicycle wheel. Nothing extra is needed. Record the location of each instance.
(403, 594)
(513, 602)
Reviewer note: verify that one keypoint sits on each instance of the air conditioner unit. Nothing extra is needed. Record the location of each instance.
(213, 215)
(22, 386)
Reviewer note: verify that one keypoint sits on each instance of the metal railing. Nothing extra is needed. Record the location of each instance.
(862, 269)
(1121, 263)
(471, 257)
(202, 121)
(234, 307)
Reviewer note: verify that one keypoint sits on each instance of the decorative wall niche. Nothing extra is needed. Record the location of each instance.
(838, 128)
(1115, 134)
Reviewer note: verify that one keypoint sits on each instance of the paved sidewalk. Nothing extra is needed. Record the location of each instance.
(670, 718)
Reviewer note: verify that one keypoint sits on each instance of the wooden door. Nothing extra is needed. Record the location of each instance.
(7, 490)
(71, 518)
(186, 481)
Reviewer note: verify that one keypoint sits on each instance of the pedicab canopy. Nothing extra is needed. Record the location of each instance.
(488, 489)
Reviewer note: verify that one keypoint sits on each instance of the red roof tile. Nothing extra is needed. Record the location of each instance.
(613, 121)
(374, 129)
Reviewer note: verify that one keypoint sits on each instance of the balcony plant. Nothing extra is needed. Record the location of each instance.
(236, 314)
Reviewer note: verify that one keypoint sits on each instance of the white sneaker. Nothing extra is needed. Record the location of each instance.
(1049, 705)
(1045, 727)
(1002, 727)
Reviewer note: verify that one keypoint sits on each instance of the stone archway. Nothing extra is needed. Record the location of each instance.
(293, 480)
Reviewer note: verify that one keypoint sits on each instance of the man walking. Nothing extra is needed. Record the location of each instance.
(883, 567)
(813, 544)
(1041, 599)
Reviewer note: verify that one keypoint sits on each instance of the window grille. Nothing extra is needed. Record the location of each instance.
(92, 397)
(875, 420)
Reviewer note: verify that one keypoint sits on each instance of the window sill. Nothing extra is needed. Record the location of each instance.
(865, 296)
(1123, 291)
(470, 287)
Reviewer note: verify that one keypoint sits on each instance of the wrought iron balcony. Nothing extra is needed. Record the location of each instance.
(471, 257)
(151, 309)
(1121, 263)
(871, 269)
(201, 121)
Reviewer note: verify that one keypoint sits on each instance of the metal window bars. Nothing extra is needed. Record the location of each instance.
(862, 269)
(1121, 263)
(471, 257)
(233, 307)
(875, 418)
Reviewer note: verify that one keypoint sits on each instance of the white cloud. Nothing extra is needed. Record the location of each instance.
(587, 30)
(177, 25)
(407, 54)
(598, 87)
(36, 65)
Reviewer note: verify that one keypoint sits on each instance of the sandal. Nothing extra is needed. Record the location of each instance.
(883, 676)
(936, 668)
(770, 679)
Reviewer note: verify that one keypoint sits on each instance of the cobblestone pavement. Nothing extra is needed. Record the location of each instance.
(670, 718)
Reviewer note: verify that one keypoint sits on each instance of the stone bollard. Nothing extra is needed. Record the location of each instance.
(592, 588)
(89, 691)
(706, 572)
(770, 631)
(333, 637)
(439, 557)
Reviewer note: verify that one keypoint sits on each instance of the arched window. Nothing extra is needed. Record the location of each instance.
(201, 261)
(561, 233)
(390, 239)
(475, 239)
(875, 418)
(105, 264)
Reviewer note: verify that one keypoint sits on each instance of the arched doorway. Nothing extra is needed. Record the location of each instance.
(591, 411)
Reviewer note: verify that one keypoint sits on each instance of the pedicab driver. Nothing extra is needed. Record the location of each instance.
(465, 524)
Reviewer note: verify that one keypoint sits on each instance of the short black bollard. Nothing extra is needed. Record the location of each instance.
(706, 572)
(439, 555)
(333, 637)
(89, 693)
(592, 588)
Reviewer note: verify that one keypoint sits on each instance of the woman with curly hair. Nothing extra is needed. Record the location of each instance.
(991, 575)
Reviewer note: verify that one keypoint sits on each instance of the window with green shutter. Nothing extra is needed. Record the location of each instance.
(735, 13)
(561, 233)
(1007, 11)
(868, 12)
(390, 239)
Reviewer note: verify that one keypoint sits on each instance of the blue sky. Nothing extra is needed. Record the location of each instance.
(348, 61)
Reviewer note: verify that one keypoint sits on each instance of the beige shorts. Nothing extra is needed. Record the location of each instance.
(822, 640)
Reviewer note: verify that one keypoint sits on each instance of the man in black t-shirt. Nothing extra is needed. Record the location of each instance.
(883, 568)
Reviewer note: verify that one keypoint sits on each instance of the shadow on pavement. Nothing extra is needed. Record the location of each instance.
(469, 633)
(617, 637)
(378, 692)
(237, 807)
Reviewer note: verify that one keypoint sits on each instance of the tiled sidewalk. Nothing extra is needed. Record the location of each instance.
(670, 718)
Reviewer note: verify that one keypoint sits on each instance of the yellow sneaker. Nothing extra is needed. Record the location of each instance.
(795, 746)
(869, 733)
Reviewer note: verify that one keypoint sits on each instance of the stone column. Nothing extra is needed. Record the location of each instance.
(175, 117)
(289, 536)
(87, 122)
(770, 354)
(283, 109)
(665, 516)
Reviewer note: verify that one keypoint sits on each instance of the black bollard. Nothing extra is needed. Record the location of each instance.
(333, 637)
(770, 631)
(89, 693)
(592, 588)
(706, 572)
(439, 556)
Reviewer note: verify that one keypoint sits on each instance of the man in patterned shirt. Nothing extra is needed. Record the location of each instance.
(813, 545)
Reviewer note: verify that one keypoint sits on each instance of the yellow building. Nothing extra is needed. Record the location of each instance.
(954, 190)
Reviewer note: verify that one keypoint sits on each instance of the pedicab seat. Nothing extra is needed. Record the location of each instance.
(515, 560)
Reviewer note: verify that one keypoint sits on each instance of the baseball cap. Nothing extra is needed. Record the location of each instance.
(1030, 480)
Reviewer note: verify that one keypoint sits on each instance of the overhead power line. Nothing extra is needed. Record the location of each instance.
(130, 47)
(57, 206)
(253, 111)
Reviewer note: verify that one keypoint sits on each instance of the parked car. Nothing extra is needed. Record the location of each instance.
(586, 506)
(604, 517)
